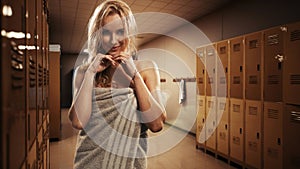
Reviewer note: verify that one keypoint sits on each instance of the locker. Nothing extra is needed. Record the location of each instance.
(200, 74)
(291, 137)
(210, 66)
(223, 125)
(236, 67)
(273, 134)
(237, 129)
(200, 119)
(253, 51)
(253, 133)
(211, 124)
(291, 60)
(32, 157)
(273, 65)
(222, 69)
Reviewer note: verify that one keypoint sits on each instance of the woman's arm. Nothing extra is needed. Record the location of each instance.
(147, 86)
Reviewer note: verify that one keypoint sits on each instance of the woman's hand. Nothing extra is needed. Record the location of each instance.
(127, 64)
(100, 63)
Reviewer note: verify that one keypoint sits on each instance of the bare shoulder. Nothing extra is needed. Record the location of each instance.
(143, 65)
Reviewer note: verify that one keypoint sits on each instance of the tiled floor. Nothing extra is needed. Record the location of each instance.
(183, 156)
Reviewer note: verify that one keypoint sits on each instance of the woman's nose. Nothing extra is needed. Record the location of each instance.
(114, 38)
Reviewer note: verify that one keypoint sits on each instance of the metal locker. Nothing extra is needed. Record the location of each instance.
(222, 69)
(200, 74)
(210, 66)
(253, 133)
(200, 119)
(223, 126)
(211, 124)
(273, 64)
(273, 134)
(291, 149)
(237, 129)
(236, 67)
(291, 61)
(253, 51)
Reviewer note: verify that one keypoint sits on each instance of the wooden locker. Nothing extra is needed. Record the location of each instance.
(253, 51)
(273, 135)
(253, 134)
(273, 64)
(237, 129)
(200, 120)
(210, 66)
(200, 74)
(291, 149)
(222, 69)
(291, 65)
(223, 126)
(210, 123)
(32, 157)
(236, 67)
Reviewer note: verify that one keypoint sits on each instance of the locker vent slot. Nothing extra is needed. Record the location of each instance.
(253, 80)
(201, 103)
(236, 140)
(210, 52)
(273, 39)
(236, 108)
(253, 44)
(222, 135)
(201, 54)
(253, 110)
(252, 146)
(273, 79)
(223, 50)
(222, 80)
(295, 79)
(237, 47)
(210, 80)
(210, 104)
(272, 152)
(295, 117)
(295, 35)
(222, 106)
(273, 114)
(236, 80)
(200, 80)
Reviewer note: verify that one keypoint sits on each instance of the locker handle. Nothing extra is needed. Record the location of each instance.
(225, 126)
(278, 141)
(241, 130)
(258, 67)
(241, 68)
(226, 70)
(214, 123)
(203, 120)
(279, 66)
(257, 135)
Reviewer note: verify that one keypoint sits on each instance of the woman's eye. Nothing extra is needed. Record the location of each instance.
(120, 32)
(105, 33)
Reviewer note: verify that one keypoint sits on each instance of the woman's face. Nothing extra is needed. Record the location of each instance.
(113, 33)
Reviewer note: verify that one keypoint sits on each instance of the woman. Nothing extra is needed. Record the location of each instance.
(112, 131)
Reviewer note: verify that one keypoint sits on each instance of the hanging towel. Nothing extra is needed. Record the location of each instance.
(182, 91)
(111, 138)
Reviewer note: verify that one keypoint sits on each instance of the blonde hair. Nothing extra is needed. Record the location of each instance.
(105, 9)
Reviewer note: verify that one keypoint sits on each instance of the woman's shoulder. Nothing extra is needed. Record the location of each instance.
(145, 65)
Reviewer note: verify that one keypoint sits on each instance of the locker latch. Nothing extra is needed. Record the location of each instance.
(279, 57)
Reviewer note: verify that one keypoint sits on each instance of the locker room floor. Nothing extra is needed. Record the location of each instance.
(182, 156)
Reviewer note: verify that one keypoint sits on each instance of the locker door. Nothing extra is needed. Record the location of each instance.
(223, 126)
(211, 124)
(253, 133)
(253, 49)
(236, 67)
(273, 52)
(291, 70)
(210, 66)
(222, 69)
(200, 118)
(273, 126)
(201, 71)
(291, 137)
(237, 129)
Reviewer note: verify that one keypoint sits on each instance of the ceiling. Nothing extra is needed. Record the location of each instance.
(69, 18)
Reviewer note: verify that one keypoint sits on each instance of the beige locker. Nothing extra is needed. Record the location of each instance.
(223, 126)
(253, 51)
(273, 64)
(32, 157)
(253, 133)
(236, 67)
(291, 61)
(273, 134)
(210, 66)
(54, 92)
(222, 69)
(237, 129)
(200, 119)
(200, 74)
(291, 136)
(210, 123)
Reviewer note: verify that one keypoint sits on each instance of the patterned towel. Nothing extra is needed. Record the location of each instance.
(111, 139)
